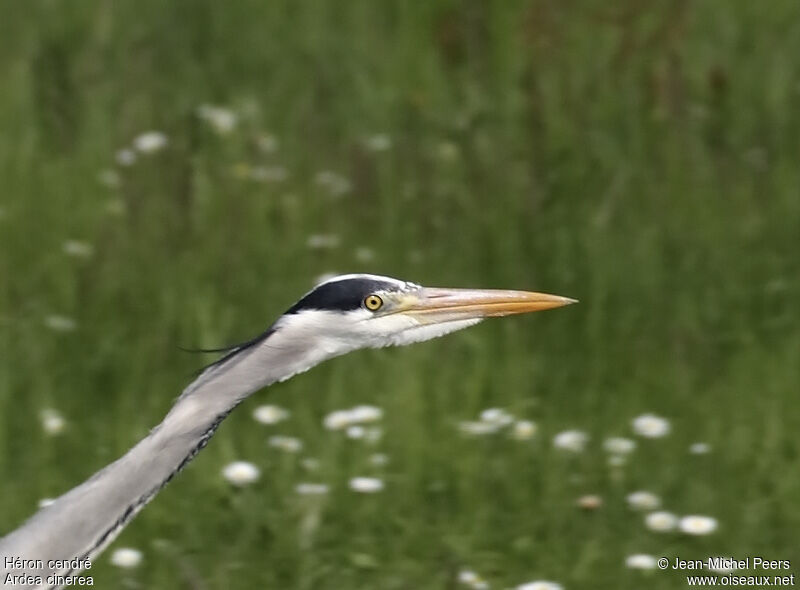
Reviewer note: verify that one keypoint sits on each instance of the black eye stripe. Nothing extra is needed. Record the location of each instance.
(344, 295)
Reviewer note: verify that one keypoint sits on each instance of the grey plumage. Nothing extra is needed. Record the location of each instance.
(329, 321)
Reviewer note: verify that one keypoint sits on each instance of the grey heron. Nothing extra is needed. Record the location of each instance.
(340, 315)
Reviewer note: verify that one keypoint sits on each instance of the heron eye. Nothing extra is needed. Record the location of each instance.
(373, 302)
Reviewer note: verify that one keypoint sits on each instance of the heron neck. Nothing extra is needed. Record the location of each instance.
(84, 520)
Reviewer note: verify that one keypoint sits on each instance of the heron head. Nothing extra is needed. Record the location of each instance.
(360, 310)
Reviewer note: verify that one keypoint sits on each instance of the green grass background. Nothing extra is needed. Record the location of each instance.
(643, 157)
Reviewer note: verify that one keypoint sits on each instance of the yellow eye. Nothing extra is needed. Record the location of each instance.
(373, 302)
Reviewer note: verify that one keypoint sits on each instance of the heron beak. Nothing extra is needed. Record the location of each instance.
(434, 305)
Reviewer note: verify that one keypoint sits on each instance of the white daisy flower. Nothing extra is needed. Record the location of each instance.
(338, 420)
(617, 460)
(60, 323)
(496, 416)
(267, 143)
(651, 426)
(289, 444)
(523, 430)
(344, 419)
(643, 500)
(571, 440)
(222, 120)
(125, 157)
(336, 184)
(661, 521)
(270, 414)
(617, 445)
(150, 142)
(380, 142)
(700, 448)
(641, 561)
(379, 459)
(126, 557)
(695, 524)
(366, 413)
(473, 580)
(366, 485)
(356, 431)
(540, 585)
(310, 464)
(311, 489)
(52, 421)
(322, 241)
(241, 473)
(77, 249)
(590, 502)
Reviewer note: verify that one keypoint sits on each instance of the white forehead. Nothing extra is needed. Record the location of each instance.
(401, 285)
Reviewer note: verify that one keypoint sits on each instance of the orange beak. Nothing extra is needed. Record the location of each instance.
(433, 305)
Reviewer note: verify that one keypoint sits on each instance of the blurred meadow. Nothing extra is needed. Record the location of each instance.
(177, 174)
